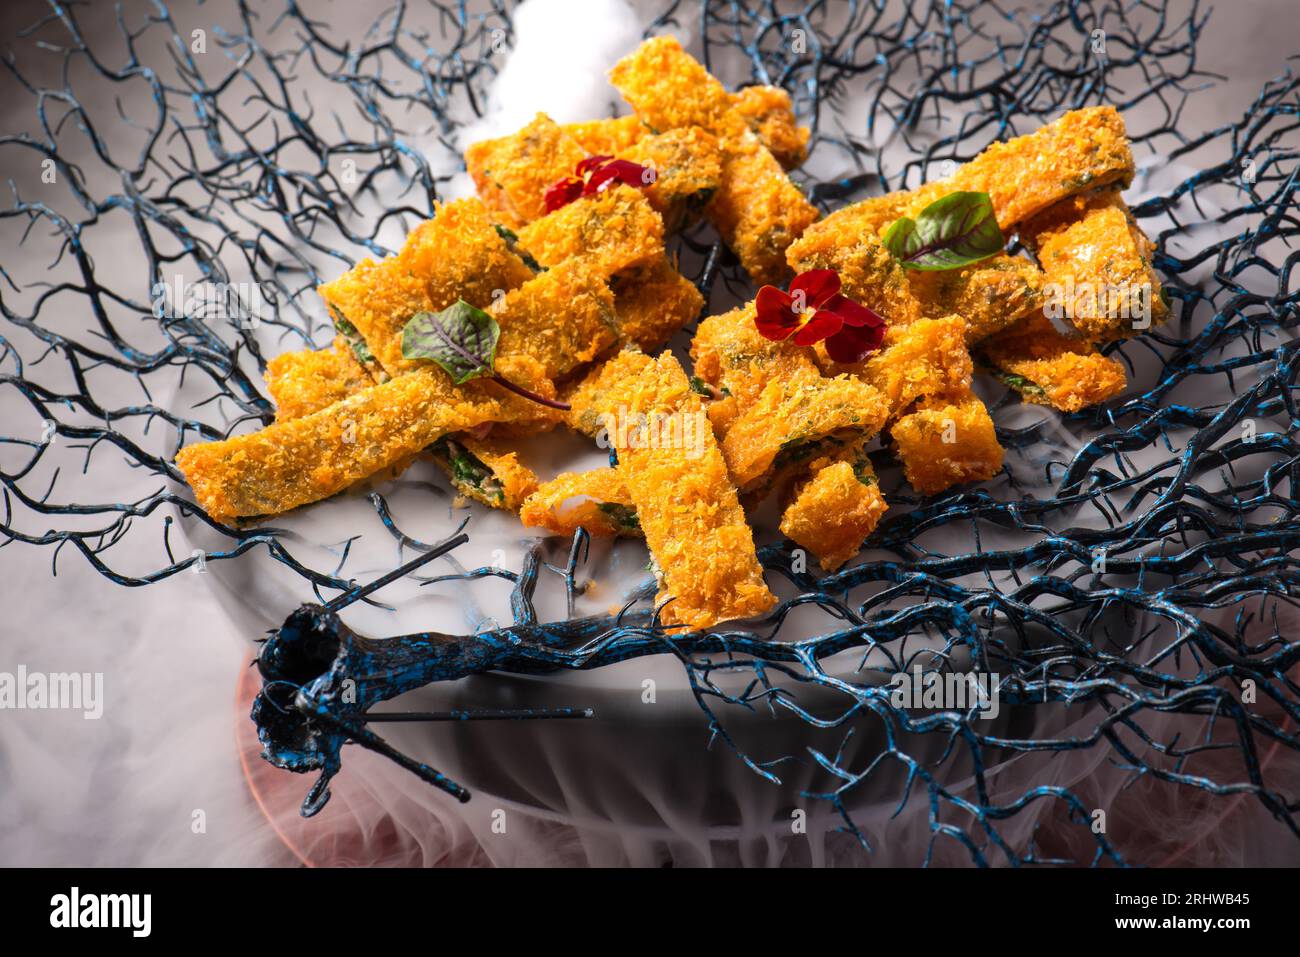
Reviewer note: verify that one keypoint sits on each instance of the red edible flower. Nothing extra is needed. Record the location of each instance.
(593, 175)
(813, 310)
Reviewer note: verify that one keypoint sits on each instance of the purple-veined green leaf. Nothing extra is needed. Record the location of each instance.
(462, 339)
(951, 232)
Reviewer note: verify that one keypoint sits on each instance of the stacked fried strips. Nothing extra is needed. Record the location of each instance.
(586, 299)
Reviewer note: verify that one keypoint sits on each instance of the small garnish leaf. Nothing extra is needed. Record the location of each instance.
(951, 232)
(462, 339)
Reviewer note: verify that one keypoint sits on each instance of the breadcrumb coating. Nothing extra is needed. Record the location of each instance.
(947, 442)
(485, 470)
(757, 209)
(669, 89)
(794, 419)
(927, 358)
(512, 173)
(990, 295)
(455, 255)
(701, 544)
(687, 166)
(1048, 368)
(1099, 265)
(868, 273)
(767, 111)
(307, 459)
(596, 500)
(303, 382)
(834, 511)
(652, 303)
(608, 137)
(562, 318)
(730, 355)
(614, 230)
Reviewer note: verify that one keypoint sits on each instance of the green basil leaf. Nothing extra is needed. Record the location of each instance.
(462, 339)
(951, 232)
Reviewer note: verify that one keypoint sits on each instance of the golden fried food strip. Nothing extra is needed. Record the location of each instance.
(687, 166)
(608, 137)
(947, 441)
(757, 209)
(732, 357)
(869, 274)
(303, 382)
(484, 470)
(990, 295)
(1049, 368)
(702, 547)
(304, 460)
(456, 255)
(653, 302)
(596, 500)
(927, 358)
(614, 230)
(767, 111)
(832, 513)
(795, 419)
(1098, 264)
(562, 318)
(513, 173)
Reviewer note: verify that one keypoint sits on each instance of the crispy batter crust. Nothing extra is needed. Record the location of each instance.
(687, 166)
(562, 318)
(833, 512)
(1048, 368)
(1099, 264)
(613, 230)
(513, 481)
(688, 508)
(929, 357)
(767, 111)
(608, 137)
(303, 382)
(990, 295)
(304, 460)
(757, 209)
(868, 273)
(597, 500)
(793, 419)
(455, 255)
(947, 442)
(513, 173)
(652, 303)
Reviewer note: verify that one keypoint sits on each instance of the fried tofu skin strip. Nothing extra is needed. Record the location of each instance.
(652, 303)
(1099, 266)
(990, 295)
(833, 512)
(304, 382)
(304, 460)
(484, 470)
(767, 111)
(868, 273)
(1048, 368)
(947, 442)
(597, 500)
(701, 544)
(794, 420)
(614, 230)
(456, 255)
(757, 210)
(562, 318)
(512, 173)
(687, 165)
